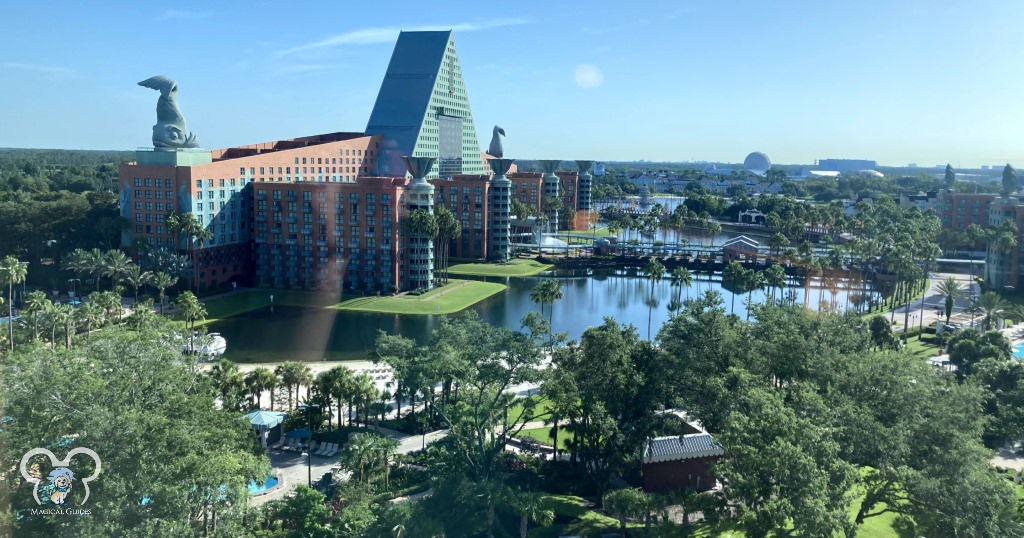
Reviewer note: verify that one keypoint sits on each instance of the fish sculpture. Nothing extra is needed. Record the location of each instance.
(170, 131)
(496, 150)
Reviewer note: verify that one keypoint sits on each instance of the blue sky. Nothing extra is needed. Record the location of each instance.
(910, 81)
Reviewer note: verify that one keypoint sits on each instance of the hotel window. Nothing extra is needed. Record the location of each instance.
(303, 160)
(160, 218)
(159, 206)
(296, 160)
(138, 206)
(138, 228)
(209, 183)
(149, 182)
(210, 206)
(277, 194)
(288, 169)
(261, 170)
(222, 195)
(199, 183)
(168, 195)
(279, 172)
(232, 182)
(138, 182)
(149, 194)
(159, 195)
(149, 218)
(167, 184)
(138, 217)
(199, 195)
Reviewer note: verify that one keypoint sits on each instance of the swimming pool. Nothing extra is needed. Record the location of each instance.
(270, 483)
(1018, 351)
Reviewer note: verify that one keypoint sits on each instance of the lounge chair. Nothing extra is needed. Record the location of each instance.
(324, 449)
(278, 444)
(290, 445)
(333, 451)
(312, 446)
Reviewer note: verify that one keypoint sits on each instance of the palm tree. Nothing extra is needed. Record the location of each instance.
(116, 264)
(775, 279)
(363, 393)
(11, 272)
(992, 306)
(35, 305)
(621, 504)
(449, 229)
(108, 301)
(547, 292)
(77, 261)
(530, 506)
(359, 454)
(227, 380)
(162, 281)
(951, 290)
(136, 278)
(733, 274)
(655, 271)
(752, 280)
(291, 374)
(187, 225)
(681, 278)
(191, 310)
(385, 448)
(89, 313)
(259, 380)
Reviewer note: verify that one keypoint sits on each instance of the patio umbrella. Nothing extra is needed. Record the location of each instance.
(300, 434)
(264, 420)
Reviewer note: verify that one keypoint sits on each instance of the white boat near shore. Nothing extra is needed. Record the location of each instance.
(211, 345)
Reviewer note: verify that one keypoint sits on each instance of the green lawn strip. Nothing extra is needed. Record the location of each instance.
(510, 269)
(454, 297)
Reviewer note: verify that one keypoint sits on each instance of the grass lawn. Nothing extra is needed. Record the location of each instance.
(454, 297)
(924, 348)
(512, 268)
(540, 410)
(543, 435)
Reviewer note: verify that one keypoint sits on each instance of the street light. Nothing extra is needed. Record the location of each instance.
(308, 409)
(271, 302)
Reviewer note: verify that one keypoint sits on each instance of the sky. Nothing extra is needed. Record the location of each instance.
(926, 82)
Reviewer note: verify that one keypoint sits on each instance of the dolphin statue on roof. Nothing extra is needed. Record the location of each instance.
(170, 131)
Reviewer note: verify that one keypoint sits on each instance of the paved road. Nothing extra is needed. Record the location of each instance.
(934, 303)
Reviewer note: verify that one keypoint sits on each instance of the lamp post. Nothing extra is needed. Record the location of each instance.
(308, 409)
(271, 302)
(74, 288)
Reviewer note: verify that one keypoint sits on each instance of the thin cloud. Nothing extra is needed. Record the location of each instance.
(172, 14)
(303, 68)
(51, 69)
(370, 36)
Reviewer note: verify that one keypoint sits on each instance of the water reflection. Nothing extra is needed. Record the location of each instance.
(627, 297)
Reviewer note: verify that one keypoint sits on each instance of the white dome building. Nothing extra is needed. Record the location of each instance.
(757, 163)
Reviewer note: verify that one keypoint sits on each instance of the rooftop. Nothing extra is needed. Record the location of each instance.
(684, 447)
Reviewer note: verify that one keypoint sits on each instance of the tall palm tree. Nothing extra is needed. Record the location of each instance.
(992, 306)
(11, 272)
(161, 281)
(621, 504)
(227, 380)
(547, 292)
(775, 279)
(385, 448)
(96, 260)
(116, 266)
(259, 380)
(950, 290)
(135, 277)
(530, 506)
(681, 278)
(89, 313)
(191, 310)
(77, 261)
(36, 304)
(752, 280)
(62, 316)
(655, 271)
(292, 374)
(195, 234)
(733, 274)
(364, 391)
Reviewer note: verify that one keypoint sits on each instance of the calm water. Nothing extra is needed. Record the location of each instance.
(312, 334)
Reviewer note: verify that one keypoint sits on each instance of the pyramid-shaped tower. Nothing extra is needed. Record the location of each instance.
(422, 108)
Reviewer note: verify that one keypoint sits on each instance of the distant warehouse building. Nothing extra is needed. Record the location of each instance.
(846, 166)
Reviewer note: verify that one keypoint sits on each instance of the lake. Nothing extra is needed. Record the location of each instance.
(305, 334)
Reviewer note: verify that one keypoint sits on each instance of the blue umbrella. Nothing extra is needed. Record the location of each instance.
(299, 434)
